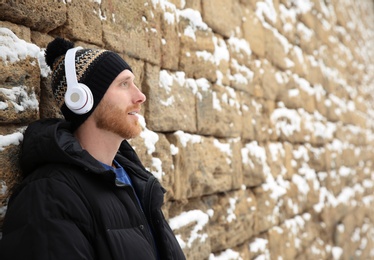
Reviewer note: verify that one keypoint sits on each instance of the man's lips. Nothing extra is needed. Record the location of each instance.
(134, 111)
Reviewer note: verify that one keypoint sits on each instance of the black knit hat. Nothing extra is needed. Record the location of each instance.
(95, 68)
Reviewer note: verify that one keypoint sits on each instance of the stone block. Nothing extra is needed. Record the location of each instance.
(170, 47)
(197, 46)
(240, 51)
(298, 58)
(19, 91)
(81, 24)
(281, 243)
(170, 104)
(334, 157)
(255, 89)
(195, 35)
(308, 193)
(314, 75)
(350, 156)
(322, 29)
(308, 18)
(317, 249)
(354, 117)
(254, 33)
(20, 31)
(229, 13)
(287, 22)
(333, 109)
(305, 38)
(289, 125)
(218, 112)
(200, 173)
(341, 13)
(248, 116)
(270, 84)
(365, 250)
(190, 224)
(238, 251)
(351, 247)
(275, 158)
(41, 39)
(256, 123)
(317, 158)
(341, 235)
(193, 4)
(332, 214)
(329, 81)
(277, 49)
(353, 134)
(318, 130)
(258, 247)
(298, 93)
(293, 203)
(267, 214)
(39, 17)
(197, 54)
(138, 33)
(320, 99)
(222, 61)
(359, 103)
(241, 76)
(294, 235)
(299, 156)
(198, 64)
(48, 107)
(288, 160)
(232, 220)
(255, 167)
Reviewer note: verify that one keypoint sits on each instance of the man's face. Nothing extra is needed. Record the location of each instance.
(118, 109)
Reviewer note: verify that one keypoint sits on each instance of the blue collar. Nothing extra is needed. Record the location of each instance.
(121, 174)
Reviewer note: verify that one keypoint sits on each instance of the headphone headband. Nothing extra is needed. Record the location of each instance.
(70, 72)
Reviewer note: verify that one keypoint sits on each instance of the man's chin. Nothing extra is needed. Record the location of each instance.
(132, 134)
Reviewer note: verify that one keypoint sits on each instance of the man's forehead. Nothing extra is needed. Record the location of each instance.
(125, 75)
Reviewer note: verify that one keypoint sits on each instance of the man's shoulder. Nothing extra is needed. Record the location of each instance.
(52, 177)
(55, 172)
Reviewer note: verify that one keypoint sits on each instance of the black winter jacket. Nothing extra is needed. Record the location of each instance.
(69, 207)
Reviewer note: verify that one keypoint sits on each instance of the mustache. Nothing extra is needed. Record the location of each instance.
(133, 108)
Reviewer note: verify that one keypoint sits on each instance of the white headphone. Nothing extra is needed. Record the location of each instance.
(78, 97)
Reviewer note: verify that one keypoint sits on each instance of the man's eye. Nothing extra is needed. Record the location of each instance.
(124, 84)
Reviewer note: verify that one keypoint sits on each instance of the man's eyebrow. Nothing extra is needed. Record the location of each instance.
(127, 78)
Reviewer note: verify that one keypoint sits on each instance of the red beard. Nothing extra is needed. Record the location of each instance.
(117, 120)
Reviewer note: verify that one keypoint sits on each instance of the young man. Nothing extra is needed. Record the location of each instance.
(85, 194)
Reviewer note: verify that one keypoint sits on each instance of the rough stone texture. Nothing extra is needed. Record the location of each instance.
(258, 120)
(132, 27)
(33, 14)
(229, 13)
(19, 82)
(165, 91)
(83, 22)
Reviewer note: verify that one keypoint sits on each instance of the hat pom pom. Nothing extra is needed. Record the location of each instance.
(56, 48)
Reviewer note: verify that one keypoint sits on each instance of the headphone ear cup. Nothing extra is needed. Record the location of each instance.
(79, 99)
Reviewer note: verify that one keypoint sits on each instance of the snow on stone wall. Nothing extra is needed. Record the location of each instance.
(258, 122)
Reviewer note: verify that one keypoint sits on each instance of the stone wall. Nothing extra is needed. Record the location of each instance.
(258, 118)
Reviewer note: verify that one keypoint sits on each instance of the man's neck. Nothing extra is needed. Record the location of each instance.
(101, 144)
